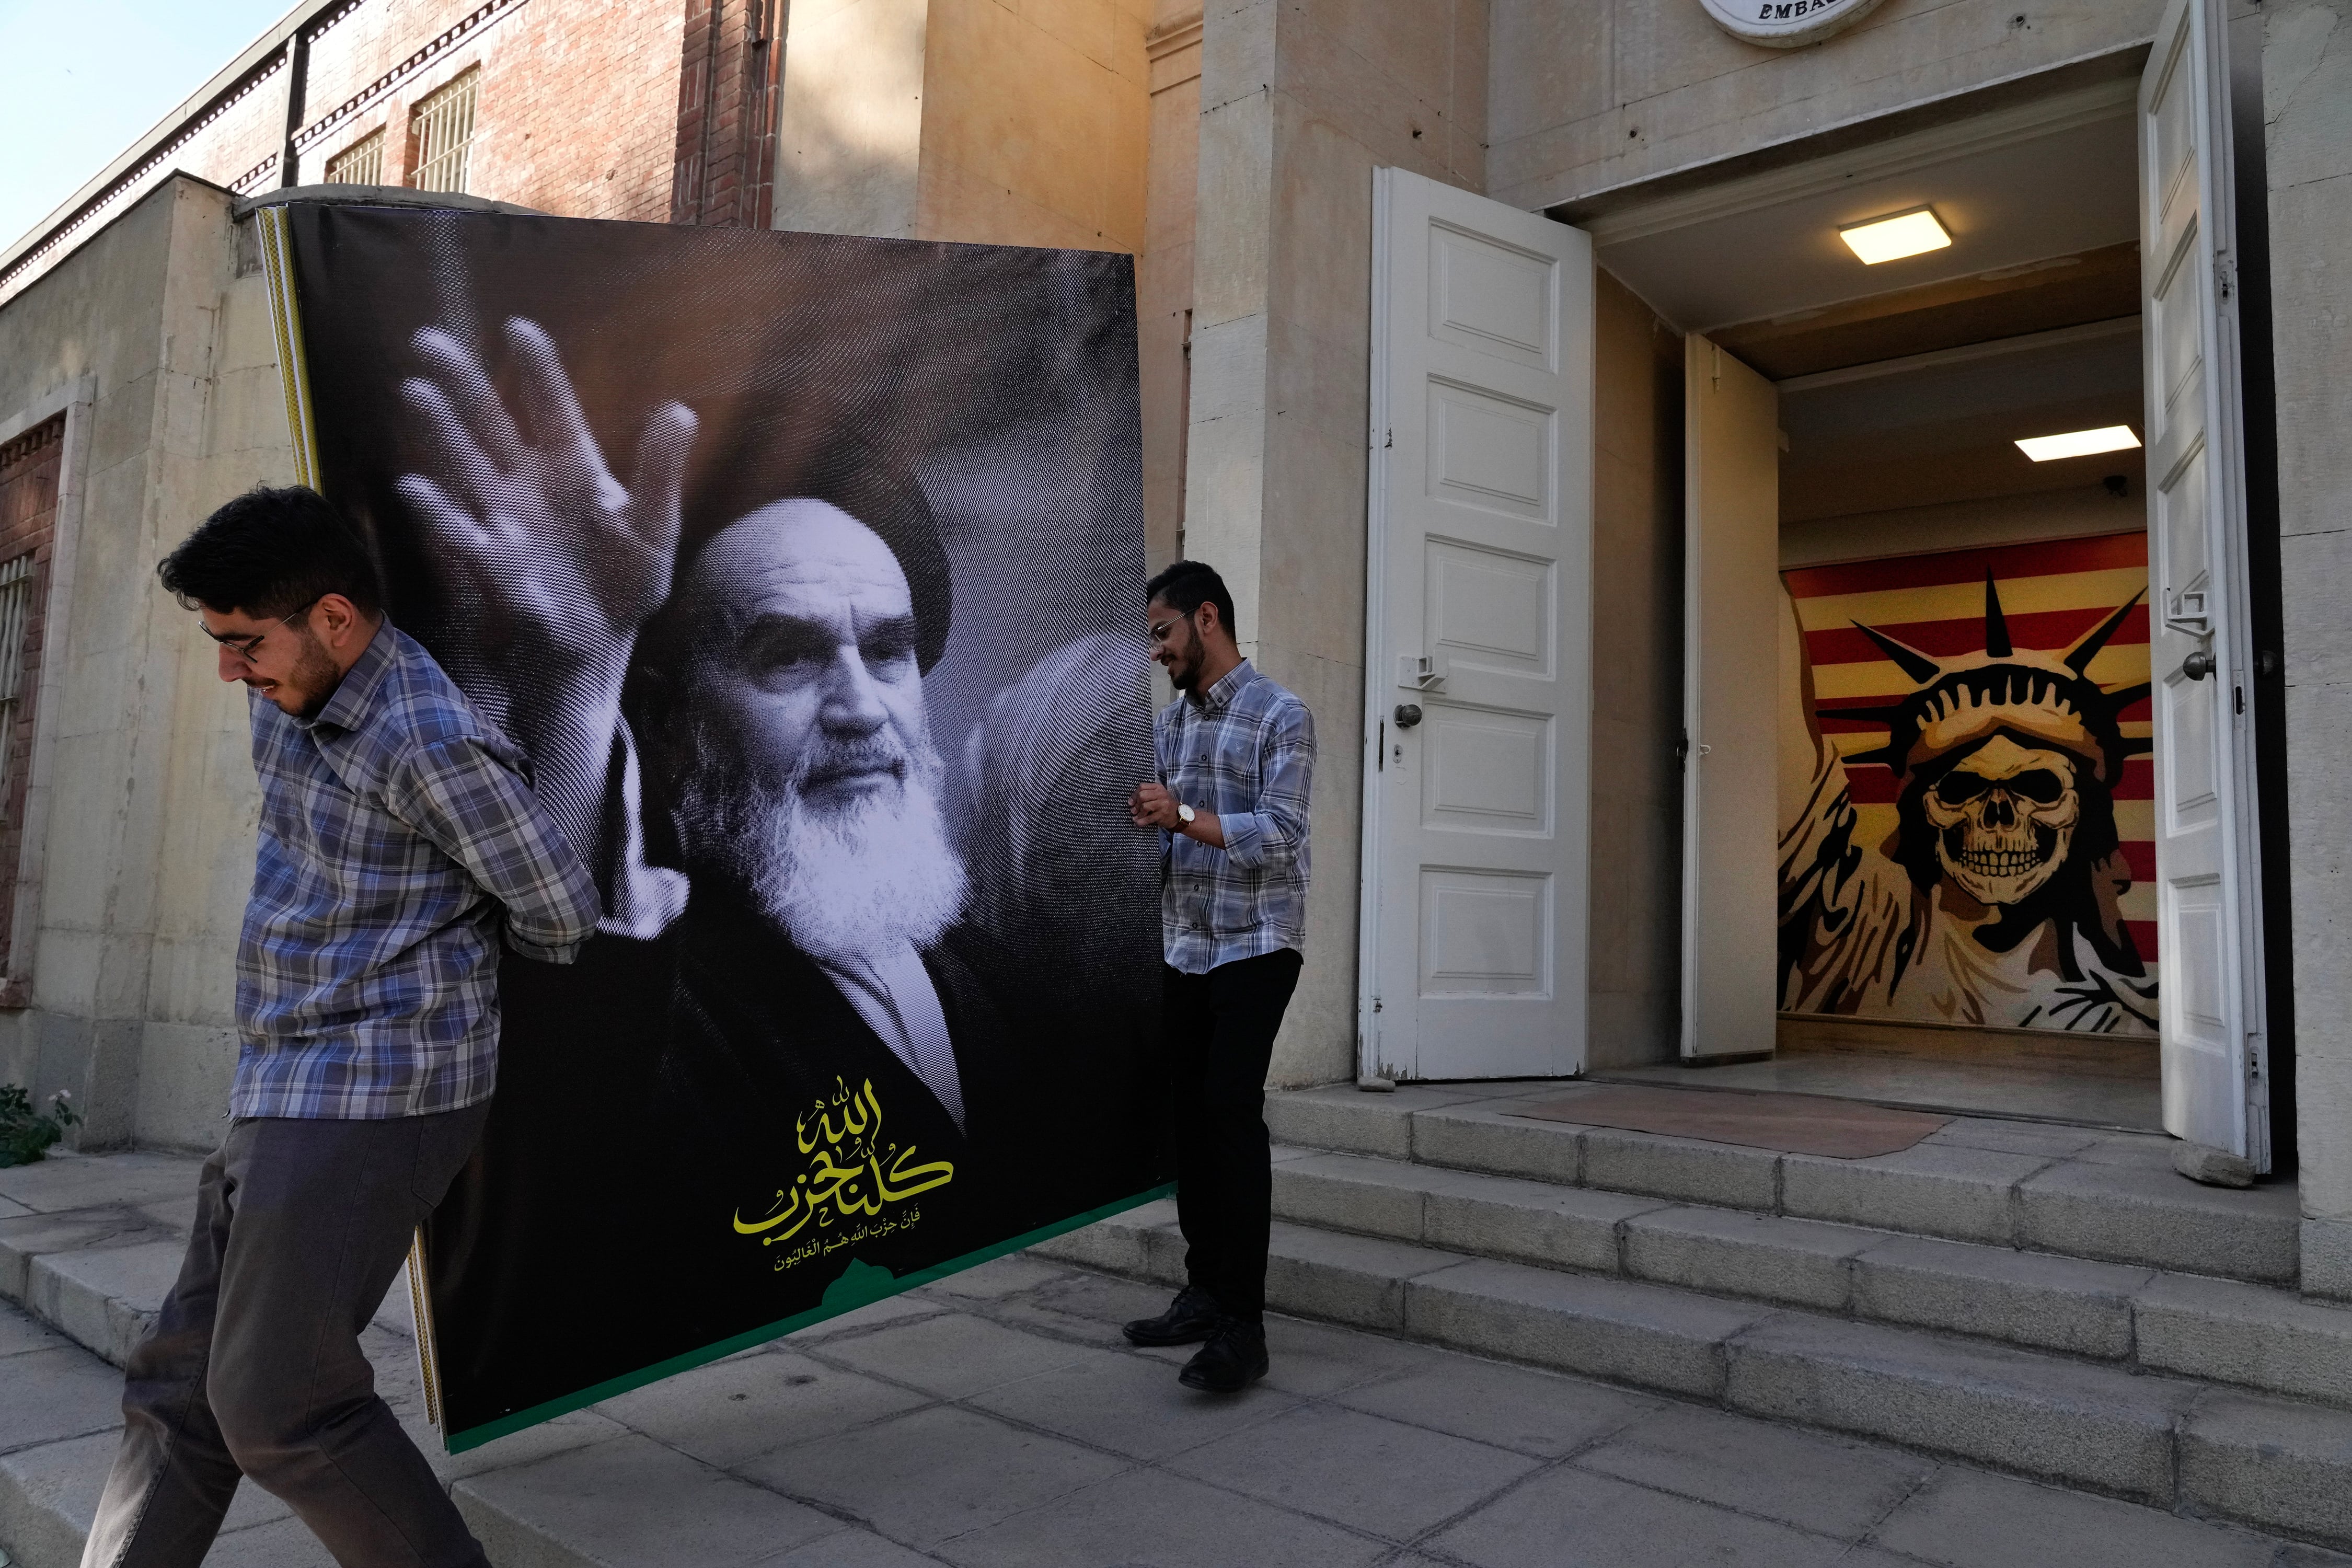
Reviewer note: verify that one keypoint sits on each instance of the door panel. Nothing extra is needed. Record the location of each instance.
(2211, 1010)
(1478, 617)
(1731, 607)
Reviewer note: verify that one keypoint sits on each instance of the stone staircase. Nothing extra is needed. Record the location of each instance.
(2047, 1300)
(2050, 1300)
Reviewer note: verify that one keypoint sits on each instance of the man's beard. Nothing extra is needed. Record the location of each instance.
(840, 881)
(314, 678)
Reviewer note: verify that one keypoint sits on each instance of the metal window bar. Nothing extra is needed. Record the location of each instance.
(444, 131)
(360, 163)
(16, 609)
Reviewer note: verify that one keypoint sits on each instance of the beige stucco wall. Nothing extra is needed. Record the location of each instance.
(1299, 102)
(2307, 106)
(850, 121)
(1594, 94)
(986, 121)
(146, 821)
(1035, 117)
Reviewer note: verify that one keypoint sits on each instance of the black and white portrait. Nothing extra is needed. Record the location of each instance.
(804, 571)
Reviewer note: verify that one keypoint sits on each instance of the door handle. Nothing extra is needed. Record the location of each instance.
(2198, 665)
(2190, 615)
(1408, 714)
(1422, 671)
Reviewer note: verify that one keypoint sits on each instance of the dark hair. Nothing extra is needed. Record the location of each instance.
(1187, 585)
(270, 553)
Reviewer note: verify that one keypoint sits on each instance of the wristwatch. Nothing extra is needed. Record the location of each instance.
(1184, 814)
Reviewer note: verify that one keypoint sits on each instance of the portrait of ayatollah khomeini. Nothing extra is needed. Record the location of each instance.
(727, 711)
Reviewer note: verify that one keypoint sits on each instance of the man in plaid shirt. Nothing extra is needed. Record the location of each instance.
(399, 844)
(1237, 754)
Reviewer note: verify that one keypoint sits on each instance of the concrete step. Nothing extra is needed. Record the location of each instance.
(2076, 1192)
(97, 1271)
(2219, 1330)
(2173, 1441)
(2178, 1442)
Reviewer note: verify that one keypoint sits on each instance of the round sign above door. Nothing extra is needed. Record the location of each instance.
(1786, 24)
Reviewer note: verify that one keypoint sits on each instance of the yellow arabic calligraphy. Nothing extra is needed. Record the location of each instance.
(854, 1173)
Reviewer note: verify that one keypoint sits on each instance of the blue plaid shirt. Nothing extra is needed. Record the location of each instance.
(1245, 752)
(397, 836)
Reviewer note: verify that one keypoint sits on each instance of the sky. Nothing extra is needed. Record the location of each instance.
(81, 79)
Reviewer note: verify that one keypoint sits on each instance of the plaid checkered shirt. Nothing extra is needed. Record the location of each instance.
(1245, 752)
(398, 836)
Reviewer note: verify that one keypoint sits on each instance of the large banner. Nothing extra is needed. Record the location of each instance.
(1967, 839)
(806, 570)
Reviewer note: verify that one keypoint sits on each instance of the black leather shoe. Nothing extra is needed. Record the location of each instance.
(1233, 1358)
(1190, 1318)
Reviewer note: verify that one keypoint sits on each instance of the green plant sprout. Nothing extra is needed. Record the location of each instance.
(24, 1134)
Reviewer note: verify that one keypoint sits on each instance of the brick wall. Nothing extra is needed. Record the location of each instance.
(577, 106)
(28, 513)
(730, 71)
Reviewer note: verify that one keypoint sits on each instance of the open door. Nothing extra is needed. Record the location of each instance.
(2209, 933)
(1478, 681)
(1732, 639)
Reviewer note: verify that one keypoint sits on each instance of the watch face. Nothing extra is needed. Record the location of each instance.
(1184, 814)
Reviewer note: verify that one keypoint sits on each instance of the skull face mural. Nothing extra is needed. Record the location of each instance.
(2009, 758)
(2003, 817)
(1995, 898)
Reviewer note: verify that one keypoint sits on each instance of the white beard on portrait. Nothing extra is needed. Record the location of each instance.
(840, 882)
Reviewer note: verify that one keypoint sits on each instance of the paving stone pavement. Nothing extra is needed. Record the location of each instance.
(997, 1418)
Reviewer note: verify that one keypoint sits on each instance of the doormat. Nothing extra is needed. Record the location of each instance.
(1792, 1123)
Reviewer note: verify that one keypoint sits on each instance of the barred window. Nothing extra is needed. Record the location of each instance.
(360, 163)
(443, 126)
(15, 609)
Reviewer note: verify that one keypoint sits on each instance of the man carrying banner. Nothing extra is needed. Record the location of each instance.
(399, 841)
(1236, 754)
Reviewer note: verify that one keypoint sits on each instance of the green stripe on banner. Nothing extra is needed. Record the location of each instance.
(860, 1285)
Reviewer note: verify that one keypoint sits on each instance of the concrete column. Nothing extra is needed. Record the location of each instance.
(144, 799)
(2307, 107)
(1299, 102)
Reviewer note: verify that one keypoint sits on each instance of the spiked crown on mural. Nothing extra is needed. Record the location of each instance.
(1969, 697)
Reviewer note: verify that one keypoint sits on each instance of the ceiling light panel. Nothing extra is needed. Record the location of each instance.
(2078, 443)
(1891, 239)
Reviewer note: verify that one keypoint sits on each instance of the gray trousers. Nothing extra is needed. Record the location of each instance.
(254, 1366)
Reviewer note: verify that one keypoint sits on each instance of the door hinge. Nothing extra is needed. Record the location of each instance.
(2225, 277)
(1391, 441)
(1376, 1004)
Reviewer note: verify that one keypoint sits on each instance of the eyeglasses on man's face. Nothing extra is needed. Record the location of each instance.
(244, 645)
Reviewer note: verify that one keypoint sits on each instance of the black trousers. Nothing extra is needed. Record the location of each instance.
(1219, 1036)
(254, 1367)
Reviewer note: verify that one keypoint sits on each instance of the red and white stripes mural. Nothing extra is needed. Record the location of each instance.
(1974, 845)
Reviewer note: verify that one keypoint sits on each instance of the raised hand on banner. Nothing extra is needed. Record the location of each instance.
(550, 555)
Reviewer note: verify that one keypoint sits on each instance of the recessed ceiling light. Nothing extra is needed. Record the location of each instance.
(1891, 239)
(2078, 443)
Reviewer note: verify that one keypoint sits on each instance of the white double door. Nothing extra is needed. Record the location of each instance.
(1478, 639)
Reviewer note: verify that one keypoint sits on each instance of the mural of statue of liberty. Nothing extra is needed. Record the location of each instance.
(1995, 901)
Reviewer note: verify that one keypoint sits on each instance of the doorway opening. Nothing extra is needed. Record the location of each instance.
(1961, 906)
